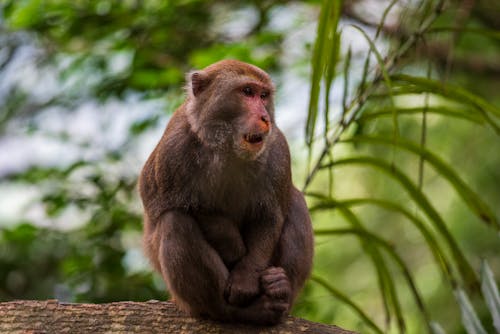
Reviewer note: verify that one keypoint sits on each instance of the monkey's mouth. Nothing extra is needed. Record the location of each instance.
(254, 138)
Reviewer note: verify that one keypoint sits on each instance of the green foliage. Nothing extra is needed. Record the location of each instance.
(164, 38)
(82, 264)
(402, 178)
(489, 289)
(381, 149)
(491, 294)
(89, 248)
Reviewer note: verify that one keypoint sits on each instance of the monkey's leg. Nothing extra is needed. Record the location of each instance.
(192, 269)
(292, 260)
(196, 275)
(294, 252)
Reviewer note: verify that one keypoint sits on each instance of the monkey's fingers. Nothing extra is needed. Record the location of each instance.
(279, 290)
(277, 306)
(275, 283)
(273, 274)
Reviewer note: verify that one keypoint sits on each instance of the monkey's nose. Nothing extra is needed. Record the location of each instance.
(264, 125)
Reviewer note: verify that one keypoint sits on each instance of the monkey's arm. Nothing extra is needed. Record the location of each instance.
(196, 275)
(261, 238)
(224, 236)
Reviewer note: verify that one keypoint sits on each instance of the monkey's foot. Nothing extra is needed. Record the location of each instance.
(263, 311)
(276, 284)
(273, 310)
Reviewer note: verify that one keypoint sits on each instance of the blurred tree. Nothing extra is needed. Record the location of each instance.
(103, 50)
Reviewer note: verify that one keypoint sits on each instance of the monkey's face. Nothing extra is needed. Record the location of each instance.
(230, 108)
(253, 125)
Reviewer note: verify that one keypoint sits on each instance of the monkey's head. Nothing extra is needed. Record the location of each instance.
(230, 107)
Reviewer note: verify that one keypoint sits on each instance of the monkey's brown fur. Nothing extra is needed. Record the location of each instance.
(223, 223)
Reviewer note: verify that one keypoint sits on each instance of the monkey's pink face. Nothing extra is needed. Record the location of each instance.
(256, 123)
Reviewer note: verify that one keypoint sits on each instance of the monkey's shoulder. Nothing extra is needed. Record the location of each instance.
(277, 157)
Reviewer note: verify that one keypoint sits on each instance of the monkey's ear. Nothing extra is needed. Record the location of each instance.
(199, 81)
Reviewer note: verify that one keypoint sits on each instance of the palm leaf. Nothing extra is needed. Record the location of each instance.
(324, 60)
(340, 296)
(473, 200)
(421, 200)
(470, 319)
(439, 255)
(394, 255)
(490, 293)
(444, 111)
(447, 90)
(384, 279)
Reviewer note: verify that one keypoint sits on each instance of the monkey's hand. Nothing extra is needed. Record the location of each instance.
(276, 284)
(242, 286)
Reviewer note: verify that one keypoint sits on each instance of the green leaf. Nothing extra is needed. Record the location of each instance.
(436, 328)
(345, 93)
(470, 319)
(439, 255)
(385, 279)
(346, 300)
(141, 126)
(26, 14)
(484, 32)
(324, 60)
(490, 294)
(474, 201)
(384, 16)
(421, 200)
(383, 112)
(394, 255)
(22, 234)
(447, 90)
(385, 75)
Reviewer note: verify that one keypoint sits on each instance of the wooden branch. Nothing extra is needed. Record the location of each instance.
(51, 316)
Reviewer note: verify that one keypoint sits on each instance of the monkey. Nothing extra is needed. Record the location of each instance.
(223, 223)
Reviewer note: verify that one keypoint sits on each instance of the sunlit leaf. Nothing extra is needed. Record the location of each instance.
(470, 319)
(436, 328)
(324, 60)
(490, 293)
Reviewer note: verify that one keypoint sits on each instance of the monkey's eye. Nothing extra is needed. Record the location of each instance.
(248, 91)
(264, 95)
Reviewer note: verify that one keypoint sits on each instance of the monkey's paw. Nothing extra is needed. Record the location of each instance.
(242, 287)
(276, 284)
(272, 310)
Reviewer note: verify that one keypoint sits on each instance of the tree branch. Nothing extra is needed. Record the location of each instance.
(52, 316)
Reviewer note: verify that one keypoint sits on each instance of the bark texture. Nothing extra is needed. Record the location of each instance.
(51, 316)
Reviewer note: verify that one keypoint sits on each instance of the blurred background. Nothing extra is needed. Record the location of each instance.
(391, 109)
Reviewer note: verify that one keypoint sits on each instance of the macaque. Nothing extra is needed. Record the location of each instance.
(223, 223)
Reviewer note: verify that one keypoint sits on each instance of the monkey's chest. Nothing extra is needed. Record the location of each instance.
(233, 200)
(228, 194)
